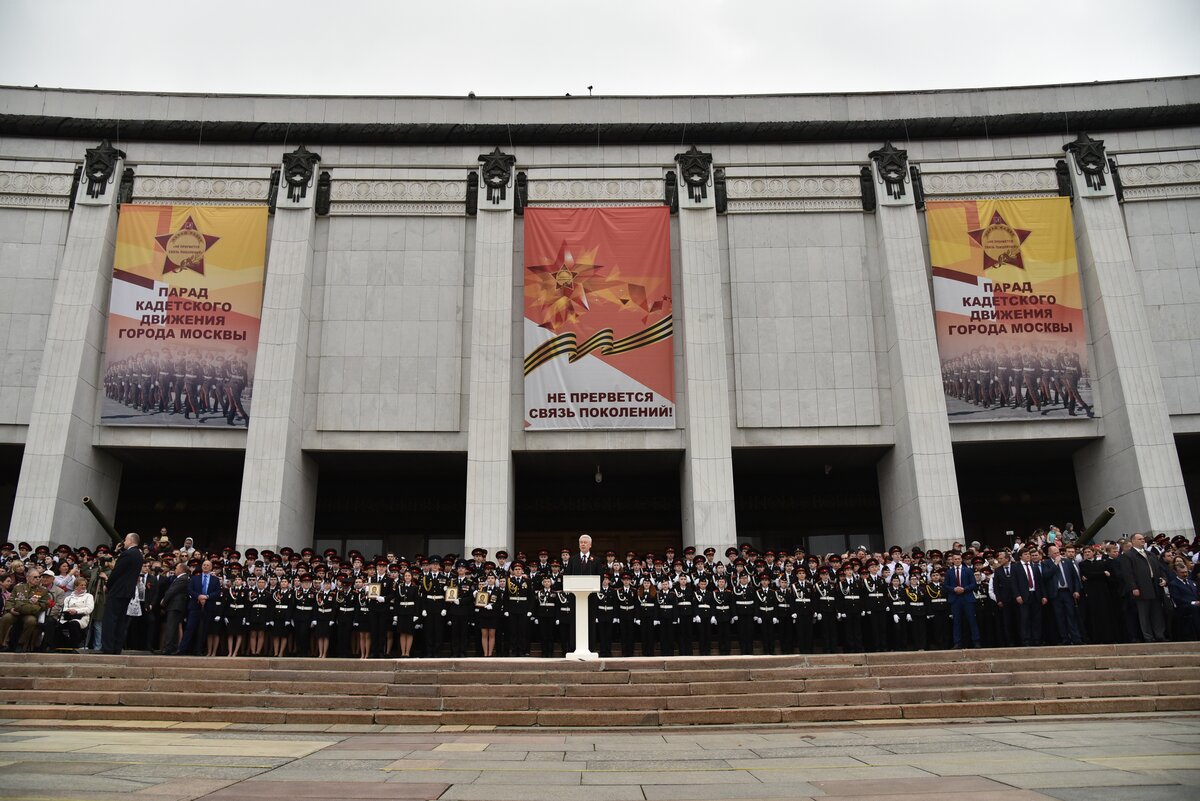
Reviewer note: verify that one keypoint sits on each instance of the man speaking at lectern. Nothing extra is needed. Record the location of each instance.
(584, 562)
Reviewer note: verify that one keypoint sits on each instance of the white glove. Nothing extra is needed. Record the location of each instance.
(506, 614)
(758, 620)
(424, 613)
(658, 622)
(713, 621)
(908, 618)
(696, 619)
(895, 618)
(775, 620)
(418, 627)
(795, 616)
(862, 614)
(841, 616)
(616, 621)
(734, 619)
(489, 606)
(637, 622)
(818, 617)
(444, 611)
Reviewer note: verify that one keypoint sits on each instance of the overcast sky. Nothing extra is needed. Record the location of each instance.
(546, 47)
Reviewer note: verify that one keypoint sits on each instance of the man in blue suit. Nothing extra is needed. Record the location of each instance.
(959, 586)
(1063, 586)
(1029, 593)
(201, 587)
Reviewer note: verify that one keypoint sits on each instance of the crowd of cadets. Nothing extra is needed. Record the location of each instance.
(305, 604)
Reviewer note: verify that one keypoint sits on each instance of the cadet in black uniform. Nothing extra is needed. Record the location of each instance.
(723, 613)
(235, 614)
(647, 619)
(518, 611)
(487, 616)
(875, 606)
(433, 607)
(914, 599)
(606, 615)
(764, 612)
(626, 600)
(686, 616)
(668, 625)
(743, 611)
(461, 609)
(825, 612)
(897, 612)
(702, 597)
(547, 615)
(937, 612)
(802, 610)
(304, 614)
(326, 610)
(408, 612)
(281, 616)
(258, 599)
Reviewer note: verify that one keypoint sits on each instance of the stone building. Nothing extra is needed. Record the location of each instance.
(810, 407)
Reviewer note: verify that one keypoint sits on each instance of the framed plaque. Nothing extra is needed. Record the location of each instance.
(374, 589)
(451, 593)
(482, 597)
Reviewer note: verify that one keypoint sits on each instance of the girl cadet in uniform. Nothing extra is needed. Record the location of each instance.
(547, 614)
(668, 626)
(362, 618)
(408, 612)
(326, 610)
(487, 616)
(937, 612)
(235, 614)
(914, 599)
(702, 597)
(802, 608)
(647, 618)
(258, 599)
(281, 616)
(897, 612)
(606, 615)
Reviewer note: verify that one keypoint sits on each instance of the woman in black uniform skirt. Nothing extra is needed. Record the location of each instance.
(235, 615)
(896, 603)
(216, 628)
(258, 599)
(326, 609)
(281, 616)
(487, 617)
(362, 618)
(408, 612)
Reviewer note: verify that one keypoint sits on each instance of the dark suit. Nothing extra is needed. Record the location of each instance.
(1002, 586)
(199, 616)
(1187, 613)
(155, 584)
(1031, 595)
(174, 608)
(122, 586)
(1141, 572)
(962, 606)
(1062, 583)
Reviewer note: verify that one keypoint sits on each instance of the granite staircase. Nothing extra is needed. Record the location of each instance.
(1003, 682)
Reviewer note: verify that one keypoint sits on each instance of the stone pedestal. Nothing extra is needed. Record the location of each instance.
(60, 465)
(918, 487)
(1135, 466)
(279, 483)
(489, 515)
(707, 472)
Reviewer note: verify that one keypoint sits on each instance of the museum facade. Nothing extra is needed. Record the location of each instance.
(388, 301)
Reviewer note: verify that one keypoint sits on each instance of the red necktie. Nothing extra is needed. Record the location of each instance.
(1029, 572)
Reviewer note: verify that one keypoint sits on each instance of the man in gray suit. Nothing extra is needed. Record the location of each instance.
(1143, 579)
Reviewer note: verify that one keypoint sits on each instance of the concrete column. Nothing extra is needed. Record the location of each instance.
(918, 487)
(490, 514)
(60, 465)
(707, 472)
(279, 483)
(1135, 466)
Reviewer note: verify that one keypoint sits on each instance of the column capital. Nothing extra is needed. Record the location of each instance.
(101, 165)
(496, 174)
(1090, 173)
(696, 172)
(298, 176)
(889, 166)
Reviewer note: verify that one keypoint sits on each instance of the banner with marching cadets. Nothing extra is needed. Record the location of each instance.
(1009, 309)
(598, 323)
(184, 314)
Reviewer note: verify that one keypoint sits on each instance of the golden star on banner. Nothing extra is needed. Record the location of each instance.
(184, 249)
(1001, 243)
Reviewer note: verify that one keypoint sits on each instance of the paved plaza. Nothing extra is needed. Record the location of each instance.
(1125, 758)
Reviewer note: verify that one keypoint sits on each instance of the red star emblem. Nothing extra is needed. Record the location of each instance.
(184, 249)
(1001, 243)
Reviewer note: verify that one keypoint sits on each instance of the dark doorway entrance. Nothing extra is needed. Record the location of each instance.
(10, 472)
(400, 502)
(1188, 447)
(820, 499)
(192, 493)
(1018, 487)
(633, 507)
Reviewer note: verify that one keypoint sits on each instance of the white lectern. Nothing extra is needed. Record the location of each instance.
(581, 587)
